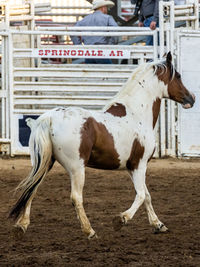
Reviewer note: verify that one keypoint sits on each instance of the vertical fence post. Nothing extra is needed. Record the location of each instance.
(196, 14)
(32, 27)
(7, 15)
(155, 46)
(10, 83)
(3, 89)
(177, 130)
(162, 144)
(170, 119)
(161, 27)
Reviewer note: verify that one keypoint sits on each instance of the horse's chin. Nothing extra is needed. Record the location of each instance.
(186, 106)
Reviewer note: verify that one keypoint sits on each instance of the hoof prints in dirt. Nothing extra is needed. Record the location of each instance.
(54, 237)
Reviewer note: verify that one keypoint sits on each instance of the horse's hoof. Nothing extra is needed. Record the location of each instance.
(93, 236)
(161, 229)
(118, 222)
(20, 227)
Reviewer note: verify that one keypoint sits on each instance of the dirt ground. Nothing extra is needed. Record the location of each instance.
(54, 237)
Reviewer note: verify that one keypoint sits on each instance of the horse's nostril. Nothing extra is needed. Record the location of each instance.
(190, 99)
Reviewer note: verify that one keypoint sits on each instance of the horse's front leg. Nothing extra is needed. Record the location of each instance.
(138, 178)
(153, 219)
(77, 184)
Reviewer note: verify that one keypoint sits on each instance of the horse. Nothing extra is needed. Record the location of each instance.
(120, 136)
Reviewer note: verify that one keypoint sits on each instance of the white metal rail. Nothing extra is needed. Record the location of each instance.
(38, 87)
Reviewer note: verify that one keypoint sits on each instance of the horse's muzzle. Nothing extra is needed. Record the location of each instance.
(188, 101)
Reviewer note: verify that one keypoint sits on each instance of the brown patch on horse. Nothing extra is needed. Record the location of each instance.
(137, 153)
(117, 110)
(163, 74)
(156, 110)
(97, 146)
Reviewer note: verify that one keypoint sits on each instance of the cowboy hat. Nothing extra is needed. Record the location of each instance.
(99, 3)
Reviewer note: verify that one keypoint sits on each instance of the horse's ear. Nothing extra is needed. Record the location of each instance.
(169, 58)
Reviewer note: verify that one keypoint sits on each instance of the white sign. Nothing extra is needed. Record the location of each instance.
(80, 53)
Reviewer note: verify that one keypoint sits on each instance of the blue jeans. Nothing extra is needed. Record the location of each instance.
(98, 61)
(147, 22)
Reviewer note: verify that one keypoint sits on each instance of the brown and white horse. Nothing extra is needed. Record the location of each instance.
(117, 137)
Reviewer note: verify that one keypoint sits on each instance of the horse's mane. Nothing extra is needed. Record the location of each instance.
(163, 67)
(148, 70)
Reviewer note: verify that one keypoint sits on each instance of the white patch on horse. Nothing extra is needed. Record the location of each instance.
(66, 136)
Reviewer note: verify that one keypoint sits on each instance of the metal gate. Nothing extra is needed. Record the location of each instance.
(29, 86)
(189, 120)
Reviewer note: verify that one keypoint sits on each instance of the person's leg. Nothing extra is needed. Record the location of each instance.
(147, 22)
(103, 61)
(98, 61)
(90, 61)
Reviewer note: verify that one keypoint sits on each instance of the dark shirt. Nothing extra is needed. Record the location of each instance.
(148, 7)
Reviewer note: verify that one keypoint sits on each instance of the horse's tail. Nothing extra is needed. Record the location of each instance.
(41, 157)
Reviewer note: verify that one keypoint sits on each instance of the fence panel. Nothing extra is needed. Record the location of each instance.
(41, 86)
(189, 120)
(31, 85)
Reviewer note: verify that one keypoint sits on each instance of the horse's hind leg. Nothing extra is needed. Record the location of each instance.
(24, 220)
(153, 219)
(77, 184)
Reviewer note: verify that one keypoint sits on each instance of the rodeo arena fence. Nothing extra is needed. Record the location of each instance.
(41, 69)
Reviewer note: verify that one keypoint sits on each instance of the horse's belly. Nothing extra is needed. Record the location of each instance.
(106, 160)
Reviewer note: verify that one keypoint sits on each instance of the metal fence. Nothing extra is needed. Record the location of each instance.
(30, 84)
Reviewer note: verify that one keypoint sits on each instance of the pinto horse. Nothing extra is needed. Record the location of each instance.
(117, 137)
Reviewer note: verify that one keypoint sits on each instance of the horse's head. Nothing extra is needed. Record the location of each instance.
(175, 88)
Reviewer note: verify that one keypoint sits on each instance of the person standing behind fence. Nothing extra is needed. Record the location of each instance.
(148, 15)
(98, 18)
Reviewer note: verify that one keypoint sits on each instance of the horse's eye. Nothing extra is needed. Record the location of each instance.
(178, 76)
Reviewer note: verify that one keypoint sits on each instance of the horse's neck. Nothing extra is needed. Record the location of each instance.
(142, 88)
(145, 108)
(141, 95)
